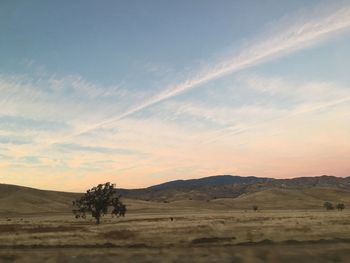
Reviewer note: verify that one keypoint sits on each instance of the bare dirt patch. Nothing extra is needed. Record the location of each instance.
(205, 240)
(118, 234)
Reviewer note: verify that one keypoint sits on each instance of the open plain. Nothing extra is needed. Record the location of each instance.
(198, 231)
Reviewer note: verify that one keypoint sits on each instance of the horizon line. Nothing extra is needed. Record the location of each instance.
(244, 176)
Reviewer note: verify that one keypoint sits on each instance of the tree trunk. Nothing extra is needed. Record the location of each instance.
(97, 220)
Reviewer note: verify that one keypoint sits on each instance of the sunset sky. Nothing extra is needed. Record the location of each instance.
(143, 92)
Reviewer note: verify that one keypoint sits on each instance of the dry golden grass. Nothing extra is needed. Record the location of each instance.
(203, 236)
(23, 200)
(290, 226)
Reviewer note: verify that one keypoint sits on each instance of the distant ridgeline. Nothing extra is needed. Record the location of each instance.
(229, 186)
(215, 192)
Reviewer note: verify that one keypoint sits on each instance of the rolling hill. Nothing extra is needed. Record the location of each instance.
(19, 199)
(282, 198)
(216, 192)
(227, 186)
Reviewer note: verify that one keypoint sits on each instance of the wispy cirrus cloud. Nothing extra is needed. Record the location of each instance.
(96, 149)
(69, 99)
(55, 106)
(302, 98)
(21, 124)
(311, 28)
(15, 140)
(65, 125)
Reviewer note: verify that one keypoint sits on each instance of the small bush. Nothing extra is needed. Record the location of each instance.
(340, 206)
(328, 206)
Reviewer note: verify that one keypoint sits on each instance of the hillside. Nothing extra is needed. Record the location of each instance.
(210, 181)
(227, 186)
(19, 199)
(217, 192)
(282, 198)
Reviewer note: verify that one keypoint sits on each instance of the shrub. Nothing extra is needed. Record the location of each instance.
(328, 206)
(340, 206)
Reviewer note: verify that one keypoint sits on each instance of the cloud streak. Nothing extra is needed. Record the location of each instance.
(277, 42)
(96, 149)
(309, 97)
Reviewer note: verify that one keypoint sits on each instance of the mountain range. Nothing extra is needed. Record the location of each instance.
(228, 186)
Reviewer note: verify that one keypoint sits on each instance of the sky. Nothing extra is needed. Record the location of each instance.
(143, 92)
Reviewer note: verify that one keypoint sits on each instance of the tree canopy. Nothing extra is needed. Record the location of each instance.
(97, 201)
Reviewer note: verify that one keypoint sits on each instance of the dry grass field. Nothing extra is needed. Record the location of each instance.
(290, 226)
(196, 234)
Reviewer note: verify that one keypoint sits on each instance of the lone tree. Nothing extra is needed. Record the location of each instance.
(97, 201)
(340, 206)
(328, 206)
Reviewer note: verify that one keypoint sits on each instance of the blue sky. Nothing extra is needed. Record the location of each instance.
(138, 92)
